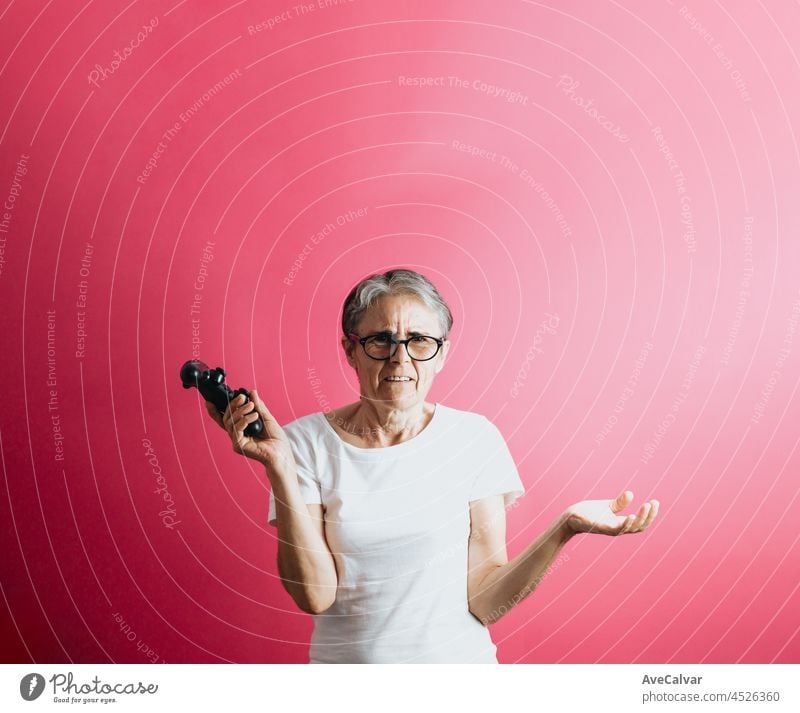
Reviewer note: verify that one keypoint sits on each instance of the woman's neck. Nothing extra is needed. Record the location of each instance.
(378, 426)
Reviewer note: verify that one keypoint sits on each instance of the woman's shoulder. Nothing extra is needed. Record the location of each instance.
(304, 425)
(464, 424)
(314, 426)
(472, 417)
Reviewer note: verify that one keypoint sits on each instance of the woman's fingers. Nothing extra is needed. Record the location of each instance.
(245, 420)
(262, 410)
(652, 515)
(255, 407)
(242, 416)
(259, 404)
(243, 410)
(272, 429)
(239, 422)
(233, 411)
(644, 511)
(646, 514)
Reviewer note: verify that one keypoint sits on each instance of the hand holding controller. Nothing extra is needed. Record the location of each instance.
(211, 385)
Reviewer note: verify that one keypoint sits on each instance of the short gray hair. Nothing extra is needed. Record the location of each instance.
(394, 282)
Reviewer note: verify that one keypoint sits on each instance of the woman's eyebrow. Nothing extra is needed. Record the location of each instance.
(411, 332)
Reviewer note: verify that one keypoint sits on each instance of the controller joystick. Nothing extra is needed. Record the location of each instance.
(211, 385)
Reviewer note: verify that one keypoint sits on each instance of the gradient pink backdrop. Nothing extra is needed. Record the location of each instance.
(629, 170)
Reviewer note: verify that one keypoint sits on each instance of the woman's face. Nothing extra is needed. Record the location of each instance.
(400, 315)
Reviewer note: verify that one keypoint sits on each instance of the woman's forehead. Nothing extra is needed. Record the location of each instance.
(388, 312)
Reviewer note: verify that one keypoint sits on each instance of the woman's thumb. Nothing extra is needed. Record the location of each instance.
(622, 501)
(259, 404)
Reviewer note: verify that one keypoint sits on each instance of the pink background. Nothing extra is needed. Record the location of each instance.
(636, 177)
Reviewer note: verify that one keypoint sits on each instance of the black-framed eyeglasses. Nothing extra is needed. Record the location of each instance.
(382, 346)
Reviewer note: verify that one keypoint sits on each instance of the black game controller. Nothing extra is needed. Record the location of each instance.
(211, 384)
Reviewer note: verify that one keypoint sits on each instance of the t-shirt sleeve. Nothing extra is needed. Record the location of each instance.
(306, 478)
(498, 474)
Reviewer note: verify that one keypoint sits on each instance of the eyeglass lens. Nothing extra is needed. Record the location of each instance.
(420, 347)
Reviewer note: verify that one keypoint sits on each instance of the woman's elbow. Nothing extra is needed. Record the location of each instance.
(482, 615)
(315, 603)
(310, 599)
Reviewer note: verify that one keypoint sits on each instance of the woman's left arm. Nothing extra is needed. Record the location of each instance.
(495, 585)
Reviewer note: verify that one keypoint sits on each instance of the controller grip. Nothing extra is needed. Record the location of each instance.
(211, 385)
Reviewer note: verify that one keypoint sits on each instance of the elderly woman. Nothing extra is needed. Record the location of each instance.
(390, 511)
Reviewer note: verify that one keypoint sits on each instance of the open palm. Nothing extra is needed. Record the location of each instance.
(602, 516)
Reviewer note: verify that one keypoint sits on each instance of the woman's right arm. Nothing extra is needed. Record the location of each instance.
(305, 563)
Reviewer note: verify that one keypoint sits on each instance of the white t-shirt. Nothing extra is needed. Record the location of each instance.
(397, 522)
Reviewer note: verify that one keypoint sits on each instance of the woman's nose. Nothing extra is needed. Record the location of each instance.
(400, 355)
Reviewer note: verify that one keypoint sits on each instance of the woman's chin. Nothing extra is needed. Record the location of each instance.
(398, 397)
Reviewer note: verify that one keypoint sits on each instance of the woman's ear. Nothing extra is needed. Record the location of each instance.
(348, 346)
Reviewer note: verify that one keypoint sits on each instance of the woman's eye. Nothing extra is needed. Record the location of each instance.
(381, 339)
(419, 340)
